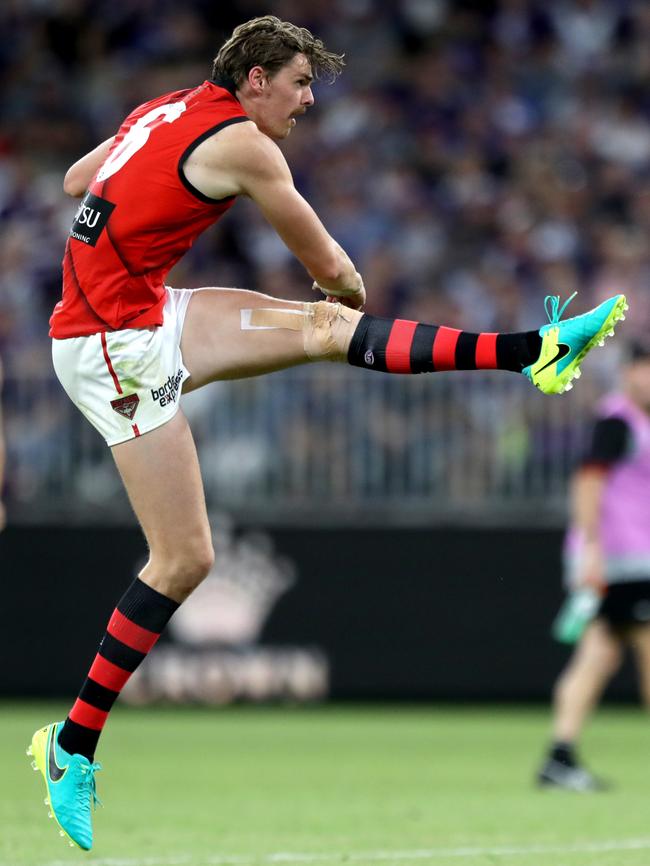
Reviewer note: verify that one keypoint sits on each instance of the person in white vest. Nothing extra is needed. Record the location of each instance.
(607, 557)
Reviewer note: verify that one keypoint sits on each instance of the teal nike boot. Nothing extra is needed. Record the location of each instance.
(566, 343)
(70, 783)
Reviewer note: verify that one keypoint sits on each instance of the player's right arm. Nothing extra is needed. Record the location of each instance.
(79, 175)
(609, 444)
(240, 160)
(587, 490)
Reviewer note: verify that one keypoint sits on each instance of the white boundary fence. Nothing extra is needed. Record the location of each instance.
(324, 443)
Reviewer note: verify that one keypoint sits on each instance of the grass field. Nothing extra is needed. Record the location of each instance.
(371, 785)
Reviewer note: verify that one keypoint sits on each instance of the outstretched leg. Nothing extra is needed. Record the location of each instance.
(234, 333)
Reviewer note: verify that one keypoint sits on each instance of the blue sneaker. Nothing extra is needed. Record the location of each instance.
(565, 344)
(70, 783)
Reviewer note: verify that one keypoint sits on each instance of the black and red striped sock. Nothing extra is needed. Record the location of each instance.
(402, 346)
(136, 624)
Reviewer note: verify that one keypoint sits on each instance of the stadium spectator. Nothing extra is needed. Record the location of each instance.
(607, 551)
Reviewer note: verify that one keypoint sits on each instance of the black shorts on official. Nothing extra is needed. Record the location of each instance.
(626, 604)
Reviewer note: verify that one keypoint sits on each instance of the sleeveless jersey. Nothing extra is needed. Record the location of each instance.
(140, 214)
(625, 515)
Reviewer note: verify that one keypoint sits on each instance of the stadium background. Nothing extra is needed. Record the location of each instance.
(403, 536)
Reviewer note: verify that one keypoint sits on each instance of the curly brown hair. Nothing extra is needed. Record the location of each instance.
(271, 43)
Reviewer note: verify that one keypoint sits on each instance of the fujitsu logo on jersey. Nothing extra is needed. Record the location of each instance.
(90, 219)
(168, 392)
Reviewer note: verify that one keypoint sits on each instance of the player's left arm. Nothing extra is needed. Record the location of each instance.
(79, 175)
(240, 160)
(267, 180)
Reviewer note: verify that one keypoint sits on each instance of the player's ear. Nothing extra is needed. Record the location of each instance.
(258, 79)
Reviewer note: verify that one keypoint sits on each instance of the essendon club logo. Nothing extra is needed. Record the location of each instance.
(126, 406)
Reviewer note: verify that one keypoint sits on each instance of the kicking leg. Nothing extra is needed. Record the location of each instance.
(235, 333)
(549, 357)
(231, 333)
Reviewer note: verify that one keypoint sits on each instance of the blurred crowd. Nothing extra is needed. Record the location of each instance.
(472, 158)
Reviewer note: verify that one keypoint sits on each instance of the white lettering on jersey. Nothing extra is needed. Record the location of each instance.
(138, 136)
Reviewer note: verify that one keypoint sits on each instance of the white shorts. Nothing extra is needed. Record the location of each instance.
(127, 382)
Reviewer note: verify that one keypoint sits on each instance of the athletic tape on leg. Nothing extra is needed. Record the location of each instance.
(272, 319)
(327, 328)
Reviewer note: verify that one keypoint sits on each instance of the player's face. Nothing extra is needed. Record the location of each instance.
(288, 95)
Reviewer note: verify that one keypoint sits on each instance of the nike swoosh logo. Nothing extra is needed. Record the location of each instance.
(562, 351)
(56, 772)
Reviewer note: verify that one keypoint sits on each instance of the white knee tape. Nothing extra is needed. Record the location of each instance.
(327, 328)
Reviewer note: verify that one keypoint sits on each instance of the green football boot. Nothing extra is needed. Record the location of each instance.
(565, 343)
(70, 783)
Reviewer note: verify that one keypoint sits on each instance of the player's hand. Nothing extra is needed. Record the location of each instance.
(351, 302)
(355, 299)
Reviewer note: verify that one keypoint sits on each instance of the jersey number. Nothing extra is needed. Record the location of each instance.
(138, 135)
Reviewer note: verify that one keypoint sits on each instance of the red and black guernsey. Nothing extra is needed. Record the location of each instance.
(140, 214)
